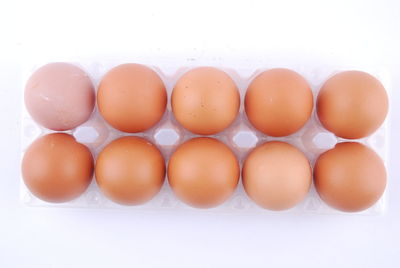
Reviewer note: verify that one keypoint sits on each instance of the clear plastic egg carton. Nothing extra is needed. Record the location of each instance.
(241, 136)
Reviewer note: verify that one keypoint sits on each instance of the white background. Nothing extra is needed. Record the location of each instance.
(312, 32)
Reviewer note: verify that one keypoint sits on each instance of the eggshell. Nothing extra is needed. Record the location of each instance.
(278, 102)
(205, 100)
(276, 175)
(130, 170)
(350, 177)
(56, 168)
(132, 98)
(352, 104)
(203, 172)
(59, 96)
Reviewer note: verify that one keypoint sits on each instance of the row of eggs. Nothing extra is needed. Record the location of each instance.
(204, 172)
(278, 102)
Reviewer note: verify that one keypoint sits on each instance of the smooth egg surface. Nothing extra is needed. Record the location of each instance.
(352, 104)
(276, 175)
(278, 102)
(130, 170)
(205, 100)
(203, 172)
(132, 97)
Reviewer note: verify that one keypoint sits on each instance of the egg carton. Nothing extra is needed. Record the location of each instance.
(241, 136)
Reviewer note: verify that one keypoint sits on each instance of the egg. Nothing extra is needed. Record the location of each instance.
(56, 168)
(132, 98)
(203, 172)
(352, 104)
(276, 175)
(205, 100)
(278, 102)
(59, 96)
(130, 170)
(350, 177)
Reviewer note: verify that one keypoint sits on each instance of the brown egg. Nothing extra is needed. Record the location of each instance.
(130, 170)
(352, 104)
(350, 177)
(203, 172)
(132, 97)
(205, 100)
(278, 102)
(276, 175)
(56, 168)
(59, 96)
